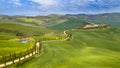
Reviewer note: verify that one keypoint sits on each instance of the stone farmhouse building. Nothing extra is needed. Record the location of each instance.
(92, 25)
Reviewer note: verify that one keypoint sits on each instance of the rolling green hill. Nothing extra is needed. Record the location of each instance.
(62, 22)
(9, 39)
(106, 18)
(99, 48)
(15, 28)
(87, 49)
(71, 23)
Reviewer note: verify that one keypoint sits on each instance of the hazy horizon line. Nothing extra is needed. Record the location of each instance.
(58, 14)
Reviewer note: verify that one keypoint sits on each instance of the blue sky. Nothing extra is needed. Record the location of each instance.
(44, 7)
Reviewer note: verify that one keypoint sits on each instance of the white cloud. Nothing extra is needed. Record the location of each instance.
(50, 5)
(92, 0)
(16, 2)
(65, 5)
(45, 2)
(82, 3)
(47, 5)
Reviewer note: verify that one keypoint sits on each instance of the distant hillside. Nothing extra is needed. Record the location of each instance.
(69, 24)
(107, 18)
(62, 22)
(76, 21)
(28, 30)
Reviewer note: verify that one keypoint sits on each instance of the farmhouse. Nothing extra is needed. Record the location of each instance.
(92, 25)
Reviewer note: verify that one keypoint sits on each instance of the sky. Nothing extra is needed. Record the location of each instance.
(45, 7)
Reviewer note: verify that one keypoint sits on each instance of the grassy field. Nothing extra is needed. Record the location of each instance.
(7, 36)
(8, 44)
(71, 23)
(9, 41)
(15, 28)
(87, 49)
(7, 47)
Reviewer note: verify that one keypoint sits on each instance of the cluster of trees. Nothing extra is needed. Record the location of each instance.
(56, 37)
(23, 35)
(19, 34)
(47, 38)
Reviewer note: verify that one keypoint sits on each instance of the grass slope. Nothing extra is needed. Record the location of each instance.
(15, 28)
(87, 49)
(71, 23)
(8, 42)
(56, 21)
(7, 47)
(106, 18)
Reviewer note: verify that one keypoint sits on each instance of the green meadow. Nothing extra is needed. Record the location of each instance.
(94, 48)
(10, 42)
(8, 47)
(87, 49)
